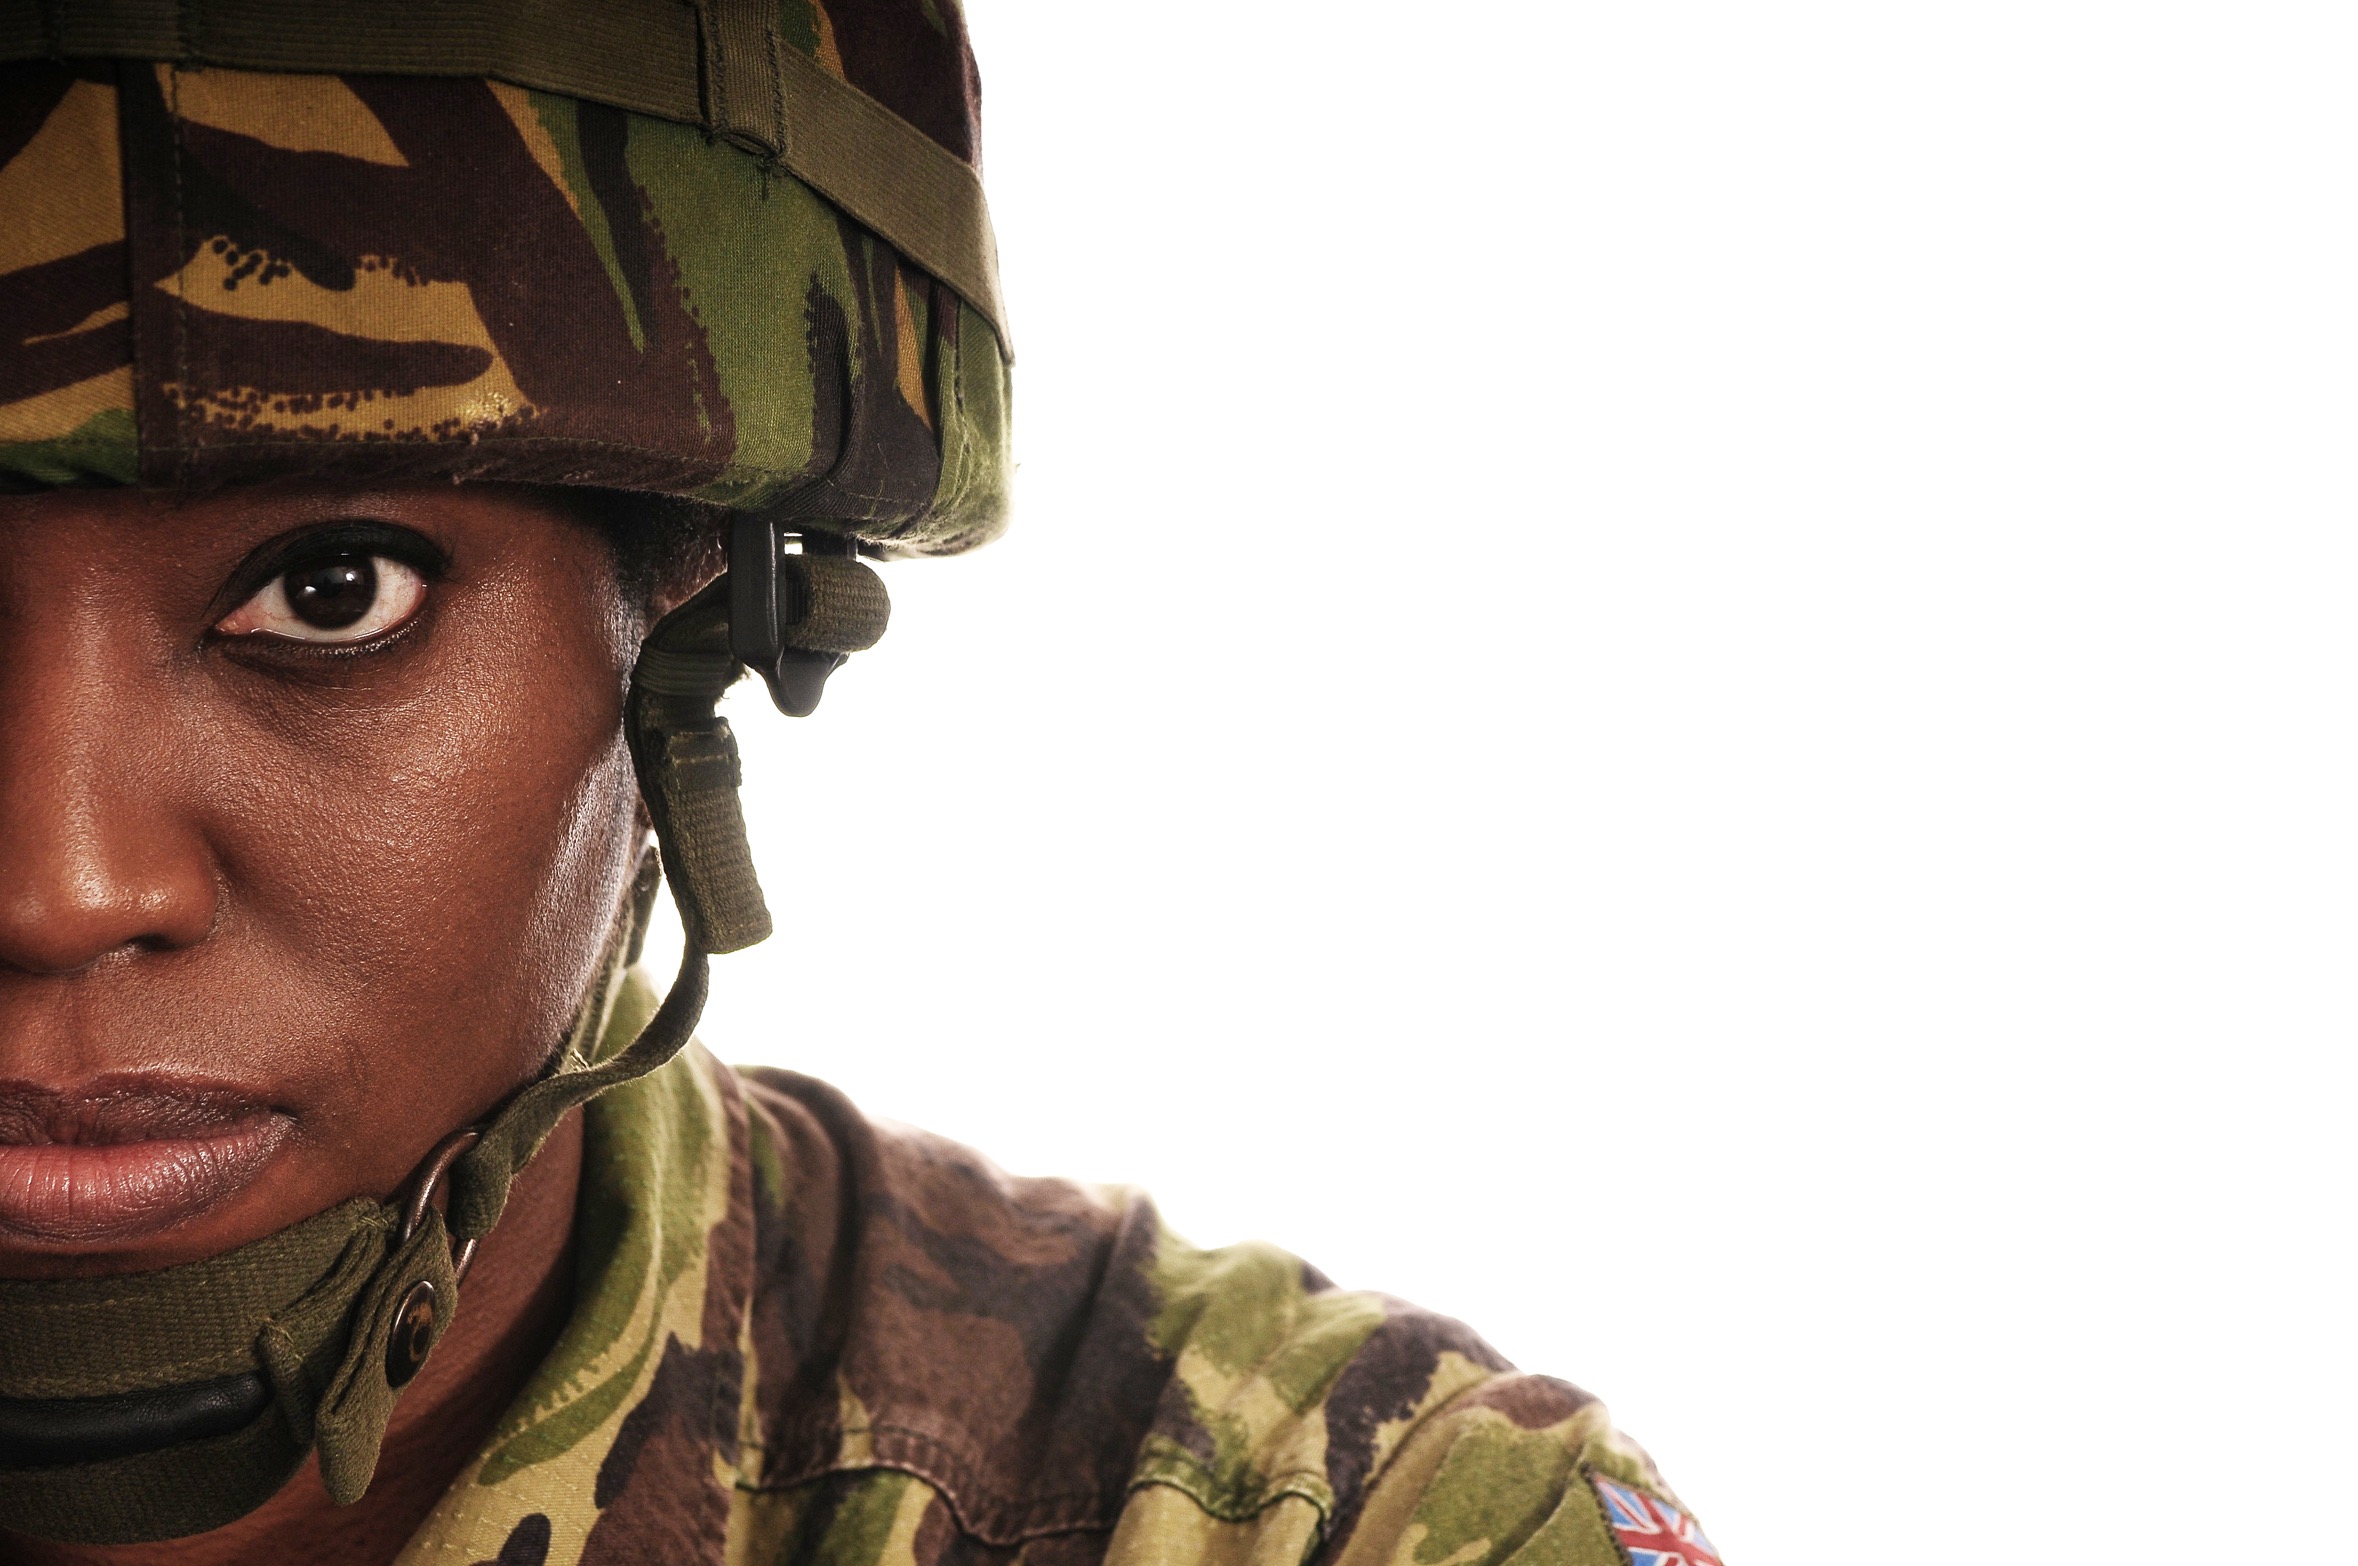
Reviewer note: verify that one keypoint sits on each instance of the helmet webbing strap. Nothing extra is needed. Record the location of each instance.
(720, 65)
(688, 771)
(793, 618)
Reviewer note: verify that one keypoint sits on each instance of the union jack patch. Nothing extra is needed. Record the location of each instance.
(1651, 1530)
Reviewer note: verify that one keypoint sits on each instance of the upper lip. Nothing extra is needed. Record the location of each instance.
(124, 1108)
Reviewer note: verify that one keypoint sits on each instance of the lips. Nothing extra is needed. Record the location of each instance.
(123, 1158)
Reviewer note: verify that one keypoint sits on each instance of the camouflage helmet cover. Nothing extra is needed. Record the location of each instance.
(211, 274)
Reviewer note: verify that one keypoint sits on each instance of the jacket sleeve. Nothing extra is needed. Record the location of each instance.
(1519, 1471)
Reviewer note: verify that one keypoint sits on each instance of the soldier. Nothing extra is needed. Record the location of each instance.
(412, 419)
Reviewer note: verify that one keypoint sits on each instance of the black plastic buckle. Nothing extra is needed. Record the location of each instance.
(764, 600)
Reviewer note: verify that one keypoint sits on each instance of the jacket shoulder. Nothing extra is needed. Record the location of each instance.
(1307, 1421)
(1049, 1359)
(1522, 1471)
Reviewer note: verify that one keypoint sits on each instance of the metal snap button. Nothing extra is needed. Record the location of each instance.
(413, 1333)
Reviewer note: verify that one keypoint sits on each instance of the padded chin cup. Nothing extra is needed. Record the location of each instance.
(169, 1403)
(43, 1432)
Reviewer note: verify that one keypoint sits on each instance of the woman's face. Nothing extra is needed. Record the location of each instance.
(314, 817)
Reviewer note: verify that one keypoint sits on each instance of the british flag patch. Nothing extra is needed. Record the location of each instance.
(1651, 1530)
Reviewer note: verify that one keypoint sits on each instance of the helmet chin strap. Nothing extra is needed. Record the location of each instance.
(169, 1403)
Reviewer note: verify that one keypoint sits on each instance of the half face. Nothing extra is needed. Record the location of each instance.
(314, 818)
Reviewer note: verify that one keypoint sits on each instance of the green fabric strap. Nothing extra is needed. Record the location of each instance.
(688, 771)
(88, 1337)
(719, 65)
(480, 1180)
(842, 604)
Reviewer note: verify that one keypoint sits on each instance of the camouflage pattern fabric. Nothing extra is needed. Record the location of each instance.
(214, 276)
(802, 1338)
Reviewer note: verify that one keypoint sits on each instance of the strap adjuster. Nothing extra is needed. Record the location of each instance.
(794, 618)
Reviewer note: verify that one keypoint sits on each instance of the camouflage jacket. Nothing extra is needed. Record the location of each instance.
(800, 1337)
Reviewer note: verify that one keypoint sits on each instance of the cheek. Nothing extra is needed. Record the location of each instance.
(591, 861)
(430, 880)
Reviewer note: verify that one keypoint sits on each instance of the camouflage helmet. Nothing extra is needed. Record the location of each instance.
(728, 250)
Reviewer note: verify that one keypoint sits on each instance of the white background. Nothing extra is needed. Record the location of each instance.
(1675, 677)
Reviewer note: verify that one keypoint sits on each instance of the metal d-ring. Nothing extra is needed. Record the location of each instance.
(430, 1175)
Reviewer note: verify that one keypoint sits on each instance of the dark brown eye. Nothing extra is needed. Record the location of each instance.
(332, 594)
(341, 599)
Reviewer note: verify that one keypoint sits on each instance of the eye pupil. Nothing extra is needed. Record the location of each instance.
(332, 594)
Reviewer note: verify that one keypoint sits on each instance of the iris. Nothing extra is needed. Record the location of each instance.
(332, 594)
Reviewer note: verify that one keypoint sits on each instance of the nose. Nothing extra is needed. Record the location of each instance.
(95, 857)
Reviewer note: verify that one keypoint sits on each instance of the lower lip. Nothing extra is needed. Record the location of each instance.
(84, 1193)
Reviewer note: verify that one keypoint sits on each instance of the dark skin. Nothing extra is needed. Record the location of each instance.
(362, 884)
